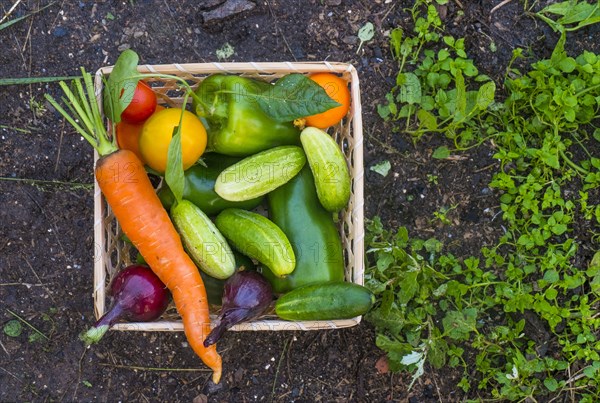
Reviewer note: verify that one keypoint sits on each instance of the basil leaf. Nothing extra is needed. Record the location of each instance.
(174, 173)
(120, 81)
(294, 96)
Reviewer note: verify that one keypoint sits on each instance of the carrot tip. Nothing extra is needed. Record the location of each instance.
(216, 378)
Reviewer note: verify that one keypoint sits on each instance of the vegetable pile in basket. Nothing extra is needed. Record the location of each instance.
(246, 208)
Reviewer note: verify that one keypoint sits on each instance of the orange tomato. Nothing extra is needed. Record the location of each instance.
(337, 89)
(128, 135)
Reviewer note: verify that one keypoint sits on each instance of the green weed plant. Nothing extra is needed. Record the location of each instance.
(435, 309)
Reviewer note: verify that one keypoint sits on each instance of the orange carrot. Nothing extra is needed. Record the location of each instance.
(129, 192)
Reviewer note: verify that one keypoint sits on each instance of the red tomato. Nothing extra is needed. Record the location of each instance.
(128, 135)
(142, 104)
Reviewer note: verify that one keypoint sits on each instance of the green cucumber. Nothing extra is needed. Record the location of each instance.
(329, 168)
(259, 238)
(325, 301)
(260, 173)
(202, 240)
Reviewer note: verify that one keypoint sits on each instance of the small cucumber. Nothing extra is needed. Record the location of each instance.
(203, 241)
(325, 301)
(259, 238)
(329, 168)
(260, 173)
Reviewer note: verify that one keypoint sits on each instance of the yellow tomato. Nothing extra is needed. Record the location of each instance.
(158, 131)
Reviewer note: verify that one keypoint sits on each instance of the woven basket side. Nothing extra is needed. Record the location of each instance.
(357, 181)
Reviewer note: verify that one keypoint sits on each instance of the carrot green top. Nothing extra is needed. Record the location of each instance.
(85, 114)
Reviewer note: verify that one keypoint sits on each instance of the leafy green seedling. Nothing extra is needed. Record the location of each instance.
(382, 168)
(572, 15)
(433, 179)
(13, 328)
(365, 34)
(433, 306)
(225, 51)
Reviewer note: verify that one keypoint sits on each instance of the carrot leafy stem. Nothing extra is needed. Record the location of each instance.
(83, 113)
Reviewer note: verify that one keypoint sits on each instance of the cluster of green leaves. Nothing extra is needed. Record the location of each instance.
(438, 309)
(444, 92)
(547, 174)
(571, 15)
(434, 308)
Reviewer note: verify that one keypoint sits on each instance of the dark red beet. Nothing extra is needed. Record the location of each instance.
(246, 295)
(138, 295)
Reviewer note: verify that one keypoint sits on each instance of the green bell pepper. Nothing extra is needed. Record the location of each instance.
(199, 187)
(236, 124)
(315, 239)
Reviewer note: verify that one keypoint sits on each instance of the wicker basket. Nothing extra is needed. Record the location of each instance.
(112, 253)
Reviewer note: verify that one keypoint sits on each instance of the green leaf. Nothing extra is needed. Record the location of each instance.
(427, 119)
(570, 116)
(567, 64)
(443, 54)
(15, 20)
(384, 260)
(551, 384)
(461, 96)
(34, 80)
(578, 13)
(458, 325)
(441, 153)
(559, 49)
(384, 111)
(13, 328)
(550, 159)
(551, 276)
(590, 371)
(367, 32)
(486, 95)
(295, 96)
(559, 229)
(396, 42)
(121, 80)
(410, 89)
(595, 262)
(438, 351)
(382, 168)
(35, 337)
(174, 175)
(551, 294)
(408, 287)
(558, 8)
(392, 321)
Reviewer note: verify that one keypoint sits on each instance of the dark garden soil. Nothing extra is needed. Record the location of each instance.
(46, 239)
